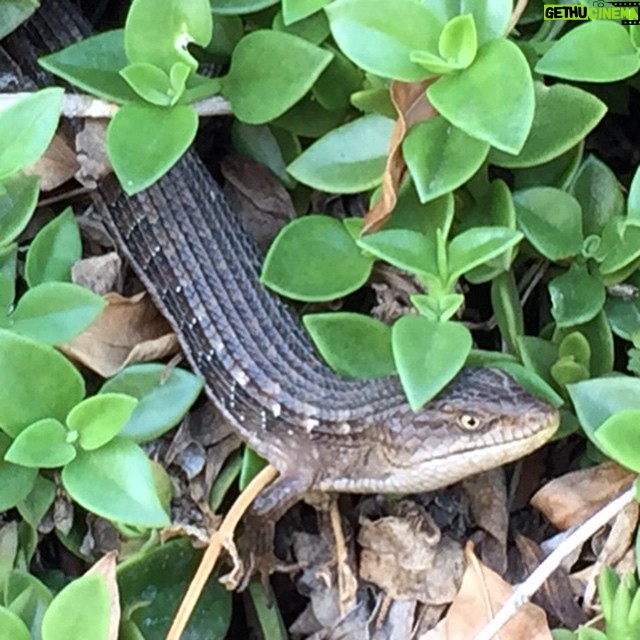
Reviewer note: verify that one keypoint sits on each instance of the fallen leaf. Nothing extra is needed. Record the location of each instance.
(56, 165)
(128, 330)
(480, 596)
(100, 274)
(93, 162)
(574, 497)
(411, 104)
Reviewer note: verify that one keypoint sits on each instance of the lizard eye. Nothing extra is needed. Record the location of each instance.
(469, 423)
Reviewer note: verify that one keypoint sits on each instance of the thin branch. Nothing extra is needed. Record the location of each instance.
(580, 535)
(75, 105)
(223, 537)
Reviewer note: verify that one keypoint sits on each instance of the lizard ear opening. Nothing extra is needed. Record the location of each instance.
(469, 422)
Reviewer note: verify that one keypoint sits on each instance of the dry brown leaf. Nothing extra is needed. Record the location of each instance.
(56, 165)
(412, 106)
(574, 497)
(128, 330)
(106, 567)
(100, 274)
(408, 558)
(480, 596)
(93, 162)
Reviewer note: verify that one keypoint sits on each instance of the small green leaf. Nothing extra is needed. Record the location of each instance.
(164, 394)
(91, 620)
(35, 382)
(17, 203)
(150, 82)
(294, 10)
(15, 12)
(16, 481)
(26, 129)
(458, 43)
(379, 36)
(428, 355)
(8, 265)
(576, 296)
(354, 345)
(501, 118)
(93, 64)
(271, 623)
(55, 312)
(441, 157)
(34, 507)
(314, 258)
(115, 482)
(440, 307)
(136, 127)
(507, 308)
(174, 25)
(597, 51)
(11, 626)
(251, 465)
(54, 250)
(551, 220)
(270, 71)
(477, 246)
(403, 248)
(619, 438)
(42, 445)
(99, 418)
(563, 116)
(633, 201)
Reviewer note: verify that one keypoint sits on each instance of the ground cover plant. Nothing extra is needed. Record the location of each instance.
(485, 165)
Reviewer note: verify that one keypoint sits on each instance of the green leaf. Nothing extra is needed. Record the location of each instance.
(164, 397)
(354, 345)
(621, 252)
(501, 118)
(270, 71)
(239, 7)
(11, 626)
(152, 593)
(403, 248)
(314, 28)
(314, 258)
(598, 334)
(633, 201)
(597, 51)
(597, 190)
(428, 355)
(8, 265)
(551, 220)
(576, 296)
(599, 399)
(251, 465)
(90, 620)
(477, 246)
(623, 316)
(174, 24)
(563, 117)
(99, 418)
(15, 12)
(16, 481)
(337, 82)
(438, 307)
(458, 43)
(35, 382)
(54, 250)
(348, 159)
(294, 10)
(441, 157)
(379, 36)
(26, 129)
(42, 445)
(93, 65)
(269, 617)
(55, 312)
(150, 82)
(34, 507)
(17, 203)
(507, 309)
(115, 482)
(619, 438)
(136, 127)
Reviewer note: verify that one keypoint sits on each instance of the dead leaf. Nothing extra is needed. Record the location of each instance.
(407, 556)
(128, 330)
(93, 162)
(412, 106)
(100, 274)
(575, 496)
(56, 165)
(106, 567)
(480, 596)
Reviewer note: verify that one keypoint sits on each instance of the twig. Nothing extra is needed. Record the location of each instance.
(75, 105)
(525, 590)
(221, 538)
(517, 14)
